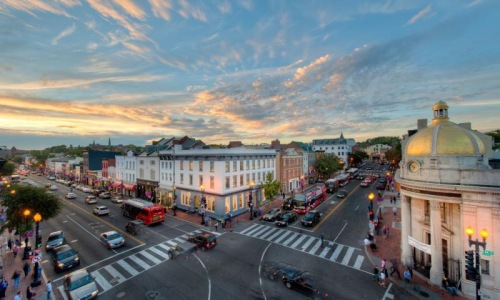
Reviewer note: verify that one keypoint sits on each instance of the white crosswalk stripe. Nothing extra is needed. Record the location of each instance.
(128, 267)
(333, 252)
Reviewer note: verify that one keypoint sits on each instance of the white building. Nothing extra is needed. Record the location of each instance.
(377, 151)
(341, 147)
(447, 186)
(125, 173)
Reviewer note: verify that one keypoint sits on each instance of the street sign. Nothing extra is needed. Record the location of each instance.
(488, 253)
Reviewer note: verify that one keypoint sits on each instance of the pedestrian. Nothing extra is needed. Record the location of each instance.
(26, 268)
(394, 210)
(447, 286)
(407, 275)
(16, 279)
(18, 242)
(373, 246)
(322, 240)
(283, 195)
(37, 271)
(15, 251)
(49, 289)
(26, 240)
(30, 294)
(395, 267)
(3, 287)
(387, 230)
(376, 274)
(216, 224)
(18, 296)
(230, 220)
(9, 244)
(382, 263)
(175, 208)
(382, 280)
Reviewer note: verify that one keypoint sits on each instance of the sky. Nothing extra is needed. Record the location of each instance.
(73, 71)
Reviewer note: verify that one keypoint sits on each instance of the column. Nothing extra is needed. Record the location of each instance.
(436, 273)
(406, 251)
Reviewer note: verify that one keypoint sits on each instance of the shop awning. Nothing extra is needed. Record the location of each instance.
(130, 187)
(116, 184)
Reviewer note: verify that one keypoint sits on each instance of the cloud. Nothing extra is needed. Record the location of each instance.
(419, 15)
(161, 8)
(66, 32)
(224, 7)
(32, 6)
(474, 3)
(131, 8)
(70, 3)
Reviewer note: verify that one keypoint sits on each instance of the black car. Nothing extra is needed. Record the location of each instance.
(382, 180)
(292, 277)
(204, 240)
(65, 257)
(311, 218)
(380, 186)
(287, 204)
(311, 180)
(360, 177)
(286, 218)
(342, 194)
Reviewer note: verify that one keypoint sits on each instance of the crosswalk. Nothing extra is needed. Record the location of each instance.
(333, 252)
(128, 267)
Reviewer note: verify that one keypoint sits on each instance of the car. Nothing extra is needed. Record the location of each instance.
(360, 177)
(117, 199)
(287, 204)
(292, 277)
(70, 196)
(105, 195)
(364, 183)
(65, 257)
(285, 219)
(91, 200)
(369, 168)
(80, 285)
(55, 239)
(53, 188)
(86, 189)
(52, 178)
(101, 210)
(382, 180)
(204, 240)
(380, 186)
(342, 193)
(272, 215)
(311, 180)
(311, 218)
(97, 191)
(112, 239)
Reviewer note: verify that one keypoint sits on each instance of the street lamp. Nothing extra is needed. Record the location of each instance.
(38, 239)
(371, 196)
(203, 201)
(474, 274)
(250, 199)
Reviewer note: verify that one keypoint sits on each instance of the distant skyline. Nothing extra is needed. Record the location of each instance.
(73, 72)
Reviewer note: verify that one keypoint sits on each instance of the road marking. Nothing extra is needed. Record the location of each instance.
(315, 248)
(208, 277)
(340, 232)
(264, 229)
(260, 271)
(101, 281)
(269, 233)
(114, 273)
(278, 241)
(299, 241)
(150, 257)
(127, 267)
(356, 208)
(140, 262)
(333, 210)
(386, 294)
(359, 261)
(273, 236)
(290, 239)
(249, 228)
(337, 252)
(324, 252)
(158, 251)
(307, 243)
(347, 256)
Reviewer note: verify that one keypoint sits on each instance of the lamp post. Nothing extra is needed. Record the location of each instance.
(250, 199)
(475, 274)
(38, 238)
(203, 201)
(371, 196)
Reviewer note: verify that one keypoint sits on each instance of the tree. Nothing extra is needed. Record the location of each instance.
(35, 199)
(271, 186)
(394, 155)
(357, 157)
(7, 169)
(327, 164)
(496, 138)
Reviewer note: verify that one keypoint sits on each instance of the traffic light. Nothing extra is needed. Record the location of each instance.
(470, 270)
(371, 214)
(38, 242)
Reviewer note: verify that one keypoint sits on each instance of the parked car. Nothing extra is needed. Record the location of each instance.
(311, 218)
(117, 199)
(91, 200)
(101, 210)
(342, 193)
(55, 239)
(97, 191)
(272, 215)
(80, 285)
(52, 178)
(86, 189)
(70, 196)
(112, 239)
(65, 257)
(53, 187)
(105, 195)
(204, 240)
(285, 219)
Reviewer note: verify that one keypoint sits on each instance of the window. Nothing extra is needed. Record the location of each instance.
(258, 177)
(248, 179)
(190, 179)
(253, 177)
(248, 164)
(201, 180)
(485, 267)
(181, 165)
(212, 166)
(141, 162)
(443, 212)
(227, 205)
(258, 164)
(235, 202)
(210, 203)
(241, 180)
(241, 165)
(227, 182)
(152, 162)
(201, 166)
(141, 172)
(253, 164)
(227, 166)
(242, 200)
(182, 178)
(212, 182)
(235, 166)
(235, 181)
(191, 164)
(152, 174)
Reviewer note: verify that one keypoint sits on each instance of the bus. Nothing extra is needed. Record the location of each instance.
(331, 185)
(309, 198)
(139, 209)
(342, 179)
(353, 172)
(15, 178)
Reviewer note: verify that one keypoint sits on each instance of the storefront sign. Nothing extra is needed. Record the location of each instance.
(419, 245)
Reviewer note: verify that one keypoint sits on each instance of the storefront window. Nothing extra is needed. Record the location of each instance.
(242, 200)
(227, 207)
(211, 203)
(235, 202)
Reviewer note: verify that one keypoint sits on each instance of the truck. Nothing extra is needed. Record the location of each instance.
(139, 209)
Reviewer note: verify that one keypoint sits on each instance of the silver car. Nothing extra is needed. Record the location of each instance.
(101, 210)
(112, 239)
(55, 239)
(80, 285)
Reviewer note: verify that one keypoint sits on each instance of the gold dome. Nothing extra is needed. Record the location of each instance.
(443, 137)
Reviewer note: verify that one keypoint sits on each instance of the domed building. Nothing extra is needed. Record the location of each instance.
(447, 186)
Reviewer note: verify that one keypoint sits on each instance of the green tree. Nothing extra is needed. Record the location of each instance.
(496, 138)
(394, 154)
(35, 199)
(357, 157)
(327, 164)
(271, 187)
(7, 169)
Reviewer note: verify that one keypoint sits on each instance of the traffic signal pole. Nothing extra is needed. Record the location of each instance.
(474, 274)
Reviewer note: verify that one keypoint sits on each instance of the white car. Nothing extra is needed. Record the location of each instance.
(112, 239)
(101, 210)
(52, 178)
(91, 199)
(117, 200)
(86, 189)
(70, 196)
(53, 188)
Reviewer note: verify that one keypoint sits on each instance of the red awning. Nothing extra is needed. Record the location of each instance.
(130, 187)
(115, 184)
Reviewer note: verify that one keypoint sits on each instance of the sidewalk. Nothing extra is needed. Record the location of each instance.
(11, 264)
(390, 247)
